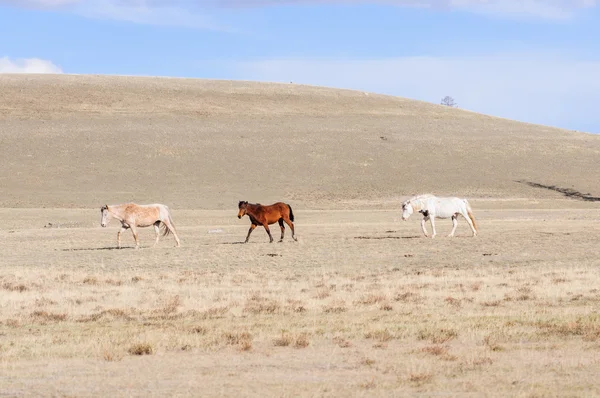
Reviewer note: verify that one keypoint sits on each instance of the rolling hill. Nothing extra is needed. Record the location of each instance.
(81, 141)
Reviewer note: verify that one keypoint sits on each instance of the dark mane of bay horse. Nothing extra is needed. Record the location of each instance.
(267, 214)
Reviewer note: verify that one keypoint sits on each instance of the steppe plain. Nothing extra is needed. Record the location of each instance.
(361, 305)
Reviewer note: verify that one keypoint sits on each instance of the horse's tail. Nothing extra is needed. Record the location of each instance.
(167, 230)
(291, 213)
(470, 214)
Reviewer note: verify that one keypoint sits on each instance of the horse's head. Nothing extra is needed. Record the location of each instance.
(105, 217)
(242, 207)
(407, 210)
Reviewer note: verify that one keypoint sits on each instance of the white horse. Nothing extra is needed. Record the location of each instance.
(132, 216)
(437, 207)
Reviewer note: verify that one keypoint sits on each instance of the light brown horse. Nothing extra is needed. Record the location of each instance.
(132, 216)
(266, 215)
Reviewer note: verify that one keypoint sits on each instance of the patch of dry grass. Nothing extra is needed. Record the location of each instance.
(404, 330)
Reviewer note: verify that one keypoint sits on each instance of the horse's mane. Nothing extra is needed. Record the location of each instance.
(416, 200)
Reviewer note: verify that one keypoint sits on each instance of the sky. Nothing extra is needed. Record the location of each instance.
(536, 61)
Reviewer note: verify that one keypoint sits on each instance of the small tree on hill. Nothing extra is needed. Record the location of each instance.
(449, 101)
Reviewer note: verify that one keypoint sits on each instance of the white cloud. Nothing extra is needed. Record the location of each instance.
(546, 9)
(551, 89)
(194, 14)
(28, 65)
(180, 13)
(39, 3)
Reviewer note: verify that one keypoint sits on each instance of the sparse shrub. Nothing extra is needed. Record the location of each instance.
(296, 306)
(368, 385)
(420, 378)
(257, 304)
(368, 361)
(215, 312)
(407, 297)
(381, 335)
(15, 287)
(243, 340)
(371, 299)
(45, 316)
(323, 293)
(245, 345)
(44, 302)
(141, 349)
(283, 341)
(199, 330)
(491, 343)
(90, 280)
(437, 350)
(301, 341)
(493, 303)
(335, 307)
(452, 301)
(438, 336)
(110, 356)
(341, 342)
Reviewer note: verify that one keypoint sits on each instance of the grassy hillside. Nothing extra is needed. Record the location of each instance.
(81, 141)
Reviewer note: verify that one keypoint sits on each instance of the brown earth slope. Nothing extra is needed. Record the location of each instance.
(80, 141)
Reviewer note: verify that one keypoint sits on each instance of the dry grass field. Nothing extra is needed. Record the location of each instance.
(361, 305)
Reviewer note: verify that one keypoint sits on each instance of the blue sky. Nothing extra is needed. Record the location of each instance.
(530, 60)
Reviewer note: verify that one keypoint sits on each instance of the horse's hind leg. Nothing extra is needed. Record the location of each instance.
(291, 225)
(454, 225)
(466, 216)
(280, 221)
(268, 232)
(135, 236)
(171, 228)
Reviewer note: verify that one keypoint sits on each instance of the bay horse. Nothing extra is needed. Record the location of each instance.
(133, 216)
(265, 215)
(439, 207)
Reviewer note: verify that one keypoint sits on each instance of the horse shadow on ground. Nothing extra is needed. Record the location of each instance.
(97, 248)
(386, 237)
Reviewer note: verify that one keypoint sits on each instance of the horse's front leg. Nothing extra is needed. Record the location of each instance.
(268, 232)
(431, 220)
(123, 229)
(454, 225)
(249, 232)
(423, 226)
